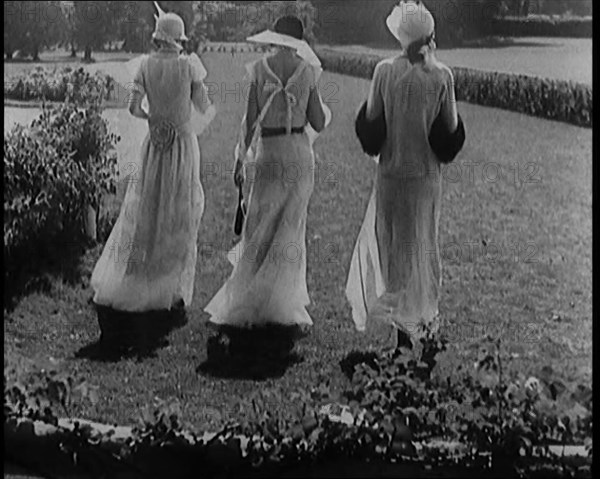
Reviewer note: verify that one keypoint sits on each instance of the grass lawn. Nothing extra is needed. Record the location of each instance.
(538, 208)
(560, 58)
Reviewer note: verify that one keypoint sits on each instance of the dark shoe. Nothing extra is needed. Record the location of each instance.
(179, 305)
(403, 341)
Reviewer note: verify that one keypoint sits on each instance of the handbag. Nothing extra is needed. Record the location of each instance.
(240, 214)
(370, 133)
(444, 143)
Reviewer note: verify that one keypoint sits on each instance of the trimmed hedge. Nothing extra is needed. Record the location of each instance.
(543, 26)
(551, 99)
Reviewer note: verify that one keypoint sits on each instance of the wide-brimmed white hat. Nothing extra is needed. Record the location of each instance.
(169, 28)
(288, 32)
(410, 21)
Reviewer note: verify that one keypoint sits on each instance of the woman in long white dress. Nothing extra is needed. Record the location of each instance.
(395, 274)
(149, 261)
(268, 282)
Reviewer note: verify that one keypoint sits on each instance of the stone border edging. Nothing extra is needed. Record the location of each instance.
(24, 437)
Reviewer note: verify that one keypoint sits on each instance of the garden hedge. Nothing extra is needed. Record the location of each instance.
(551, 99)
(543, 26)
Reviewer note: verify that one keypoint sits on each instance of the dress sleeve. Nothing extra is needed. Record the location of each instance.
(448, 113)
(139, 79)
(447, 135)
(375, 101)
(199, 92)
(198, 71)
(252, 71)
(311, 78)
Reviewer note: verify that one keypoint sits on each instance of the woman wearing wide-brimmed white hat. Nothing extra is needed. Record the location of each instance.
(395, 274)
(149, 261)
(284, 115)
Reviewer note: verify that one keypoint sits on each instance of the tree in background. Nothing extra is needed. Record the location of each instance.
(460, 20)
(235, 21)
(201, 30)
(136, 25)
(30, 27)
(14, 31)
(219, 17)
(547, 7)
(354, 21)
(137, 22)
(567, 7)
(258, 16)
(96, 23)
(363, 21)
(70, 26)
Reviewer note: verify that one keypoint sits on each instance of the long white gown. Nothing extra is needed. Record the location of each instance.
(395, 273)
(149, 261)
(268, 282)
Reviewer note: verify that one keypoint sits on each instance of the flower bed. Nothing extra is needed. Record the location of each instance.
(541, 97)
(59, 85)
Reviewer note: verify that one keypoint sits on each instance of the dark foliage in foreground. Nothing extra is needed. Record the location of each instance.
(53, 170)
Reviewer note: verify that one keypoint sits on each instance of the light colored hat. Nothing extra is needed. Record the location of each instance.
(288, 32)
(169, 28)
(410, 22)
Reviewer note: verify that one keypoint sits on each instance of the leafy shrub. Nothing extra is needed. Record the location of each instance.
(490, 407)
(551, 99)
(461, 20)
(234, 21)
(77, 86)
(63, 161)
(543, 26)
(41, 392)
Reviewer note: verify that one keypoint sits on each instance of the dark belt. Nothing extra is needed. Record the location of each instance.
(266, 132)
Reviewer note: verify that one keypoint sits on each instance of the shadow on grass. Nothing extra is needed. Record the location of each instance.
(258, 353)
(131, 335)
(35, 267)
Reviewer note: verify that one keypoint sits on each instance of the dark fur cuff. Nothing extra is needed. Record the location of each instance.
(371, 134)
(444, 144)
